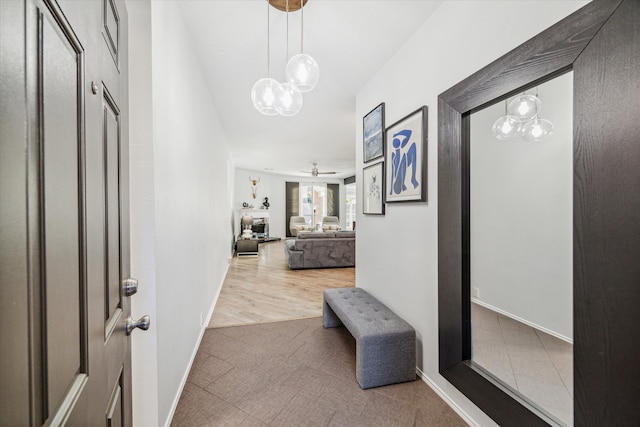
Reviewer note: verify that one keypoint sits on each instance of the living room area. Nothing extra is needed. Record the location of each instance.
(285, 206)
(187, 203)
(270, 212)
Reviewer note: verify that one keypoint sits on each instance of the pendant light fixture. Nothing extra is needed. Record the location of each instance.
(290, 102)
(507, 126)
(537, 129)
(522, 118)
(302, 70)
(267, 92)
(525, 107)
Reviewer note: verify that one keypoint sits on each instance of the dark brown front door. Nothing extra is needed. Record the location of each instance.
(65, 233)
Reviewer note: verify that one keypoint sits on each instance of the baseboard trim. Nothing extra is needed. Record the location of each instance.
(458, 410)
(521, 320)
(215, 299)
(183, 382)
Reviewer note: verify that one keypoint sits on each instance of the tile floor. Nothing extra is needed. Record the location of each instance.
(296, 373)
(536, 364)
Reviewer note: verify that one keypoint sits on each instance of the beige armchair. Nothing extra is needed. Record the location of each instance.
(331, 223)
(246, 221)
(297, 223)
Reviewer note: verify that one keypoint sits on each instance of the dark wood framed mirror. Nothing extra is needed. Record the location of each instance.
(601, 44)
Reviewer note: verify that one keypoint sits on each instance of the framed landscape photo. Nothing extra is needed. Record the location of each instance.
(373, 134)
(406, 155)
(373, 189)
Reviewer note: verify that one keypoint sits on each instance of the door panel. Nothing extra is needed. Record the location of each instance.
(65, 203)
(111, 25)
(111, 144)
(61, 242)
(115, 414)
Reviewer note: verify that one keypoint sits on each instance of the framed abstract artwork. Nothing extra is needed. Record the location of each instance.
(373, 134)
(406, 154)
(373, 189)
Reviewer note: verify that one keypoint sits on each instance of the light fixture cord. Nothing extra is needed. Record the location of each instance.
(302, 26)
(268, 43)
(287, 58)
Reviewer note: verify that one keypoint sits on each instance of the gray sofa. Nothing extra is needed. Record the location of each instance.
(321, 250)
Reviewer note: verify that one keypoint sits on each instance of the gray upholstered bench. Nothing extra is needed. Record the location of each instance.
(385, 344)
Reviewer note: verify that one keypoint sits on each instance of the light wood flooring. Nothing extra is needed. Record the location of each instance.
(260, 289)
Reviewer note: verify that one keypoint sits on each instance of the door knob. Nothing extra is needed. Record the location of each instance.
(142, 323)
(129, 286)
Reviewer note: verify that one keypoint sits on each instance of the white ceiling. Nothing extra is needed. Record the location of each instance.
(350, 40)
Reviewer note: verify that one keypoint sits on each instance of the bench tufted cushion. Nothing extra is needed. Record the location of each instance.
(362, 314)
(385, 343)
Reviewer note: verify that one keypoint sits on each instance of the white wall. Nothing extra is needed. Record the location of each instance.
(397, 253)
(273, 186)
(144, 346)
(522, 215)
(181, 194)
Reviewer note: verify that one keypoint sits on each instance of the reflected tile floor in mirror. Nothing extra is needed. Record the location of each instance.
(538, 365)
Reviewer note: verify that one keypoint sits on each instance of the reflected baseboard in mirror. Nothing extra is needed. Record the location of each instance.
(532, 363)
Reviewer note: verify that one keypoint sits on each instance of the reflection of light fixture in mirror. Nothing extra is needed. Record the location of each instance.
(537, 129)
(302, 70)
(507, 126)
(525, 107)
(266, 92)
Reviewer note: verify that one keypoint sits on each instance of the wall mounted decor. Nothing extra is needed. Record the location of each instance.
(254, 186)
(373, 189)
(373, 134)
(406, 154)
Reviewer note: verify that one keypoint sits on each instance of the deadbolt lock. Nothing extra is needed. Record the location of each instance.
(129, 287)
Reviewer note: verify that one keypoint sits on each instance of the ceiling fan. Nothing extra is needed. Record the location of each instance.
(315, 172)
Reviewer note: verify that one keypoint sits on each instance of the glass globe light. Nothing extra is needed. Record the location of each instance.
(303, 72)
(525, 107)
(290, 102)
(506, 127)
(537, 129)
(265, 95)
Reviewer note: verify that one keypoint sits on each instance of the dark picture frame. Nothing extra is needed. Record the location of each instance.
(373, 189)
(373, 136)
(406, 158)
